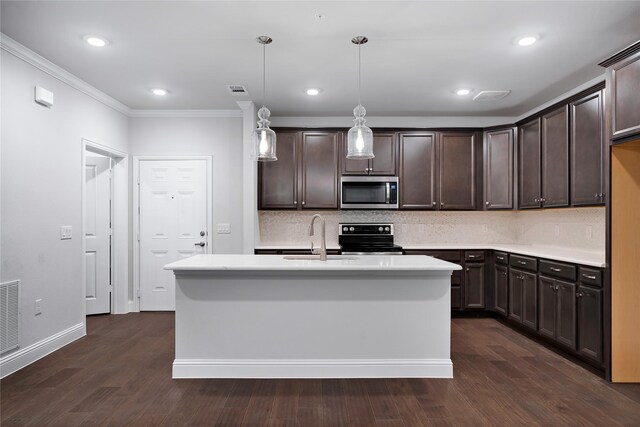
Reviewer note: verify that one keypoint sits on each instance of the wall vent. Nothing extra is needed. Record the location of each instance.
(491, 95)
(237, 90)
(9, 316)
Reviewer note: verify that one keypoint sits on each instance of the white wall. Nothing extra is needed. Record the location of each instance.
(41, 178)
(203, 136)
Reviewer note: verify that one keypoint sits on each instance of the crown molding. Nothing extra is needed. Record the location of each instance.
(184, 113)
(22, 52)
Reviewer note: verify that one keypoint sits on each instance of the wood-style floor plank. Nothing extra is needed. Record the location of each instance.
(120, 374)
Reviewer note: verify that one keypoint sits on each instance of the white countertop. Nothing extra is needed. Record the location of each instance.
(557, 253)
(334, 263)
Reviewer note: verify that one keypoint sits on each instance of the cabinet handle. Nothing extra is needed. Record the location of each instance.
(503, 273)
(501, 258)
(487, 203)
(587, 276)
(521, 262)
(579, 295)
(557, 287)
(441, 204)
(295, 202)
(366, 170)
(303, 203)
(557, 270)
(597, 195)
(468, 269)
(551, 286)
(433, 204)
(474, 256)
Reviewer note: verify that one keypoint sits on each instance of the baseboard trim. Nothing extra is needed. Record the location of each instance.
(26, 356)
(324, 368)
(132, 307)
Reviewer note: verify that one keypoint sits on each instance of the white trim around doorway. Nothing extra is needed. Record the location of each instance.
(134, 306)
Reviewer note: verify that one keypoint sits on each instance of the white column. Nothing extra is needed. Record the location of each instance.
(250, 226)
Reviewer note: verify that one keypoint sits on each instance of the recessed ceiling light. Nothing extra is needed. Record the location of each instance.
(463, 92)
(95, 41)
(527, 40)
(159, 91)
(313, 91)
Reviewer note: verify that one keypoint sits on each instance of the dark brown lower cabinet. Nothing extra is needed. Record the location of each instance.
(590, 340)
(474, 285)
(515, 295)
(456, 298)
(501, 289)
(557, 311)
(530, 300)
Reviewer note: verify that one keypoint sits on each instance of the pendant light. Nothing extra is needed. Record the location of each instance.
(360, 137)
(264, 139)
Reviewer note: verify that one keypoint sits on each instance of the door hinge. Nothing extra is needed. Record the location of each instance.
(138, 236)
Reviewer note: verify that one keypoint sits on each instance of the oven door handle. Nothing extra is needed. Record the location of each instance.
(388, 186)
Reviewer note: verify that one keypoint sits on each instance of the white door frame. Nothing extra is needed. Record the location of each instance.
(135, 185)
(119, 224)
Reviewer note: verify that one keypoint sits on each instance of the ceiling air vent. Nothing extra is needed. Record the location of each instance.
(491, 95)
(237, 90)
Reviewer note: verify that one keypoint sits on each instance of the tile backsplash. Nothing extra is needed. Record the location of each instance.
(582, 228)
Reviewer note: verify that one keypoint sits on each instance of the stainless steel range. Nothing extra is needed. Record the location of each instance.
(367, 239)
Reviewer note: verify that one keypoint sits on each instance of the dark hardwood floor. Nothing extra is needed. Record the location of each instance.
(120, 374)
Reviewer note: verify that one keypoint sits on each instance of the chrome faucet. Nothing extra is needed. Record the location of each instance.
(323, 242)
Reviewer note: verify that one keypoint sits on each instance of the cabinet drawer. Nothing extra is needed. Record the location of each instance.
(456, 297)
(523, 262)
(556, 269)
(502, 258)
(590, 276)
(474, 256)
(451, 256)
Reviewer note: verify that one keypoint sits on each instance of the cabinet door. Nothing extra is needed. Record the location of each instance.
(418, 171)
(555, 158)
(320, 159)
(529, 165)
(515, 295)
(624, 85)
(457, 177)
(474, 285)
(279, 179)
(590, 323)
(501, 278)
(547, 307)
(530, 300)
(587, 151)
(566, 315)
(384, 149)
(499, 169)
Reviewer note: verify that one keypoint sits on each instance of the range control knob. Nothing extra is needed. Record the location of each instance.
(380, 228)
(387, 229)
(351, 229)
(345, 228)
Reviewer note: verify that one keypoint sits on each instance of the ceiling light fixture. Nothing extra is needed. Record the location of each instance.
(463, 92)
(264, 139)
(313, 92)
(159, 91)
(360, 137)
(95, 41)
(527, 40)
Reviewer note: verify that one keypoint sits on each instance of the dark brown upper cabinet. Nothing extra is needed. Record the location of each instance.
(418, 170)
(555, 158)
(623, 87)
(279, 179)
(498, 167)
(320, 160)
(457, 171)
(529, 185)
(384, 162)
(587, 150)
(305, 176)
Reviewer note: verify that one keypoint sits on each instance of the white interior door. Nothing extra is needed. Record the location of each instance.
(97, 234)
(173, 224)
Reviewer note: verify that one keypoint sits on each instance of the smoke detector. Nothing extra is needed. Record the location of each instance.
(237, 90)
(491, 95)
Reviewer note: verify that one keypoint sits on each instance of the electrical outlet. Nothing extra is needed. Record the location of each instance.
(66, 232)
(38, 307)
(224, 229)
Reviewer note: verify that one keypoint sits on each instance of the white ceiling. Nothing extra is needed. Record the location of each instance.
(418, 52)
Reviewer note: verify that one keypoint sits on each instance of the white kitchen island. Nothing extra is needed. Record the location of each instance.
(265, 316)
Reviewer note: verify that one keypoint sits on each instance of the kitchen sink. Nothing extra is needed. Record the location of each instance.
(317, 258)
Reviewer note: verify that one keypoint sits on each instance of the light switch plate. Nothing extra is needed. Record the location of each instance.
(224, 229)
(66, 232)
(38, 307)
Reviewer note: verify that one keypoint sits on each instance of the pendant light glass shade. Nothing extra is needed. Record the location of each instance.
(360, 137)
(263, 138)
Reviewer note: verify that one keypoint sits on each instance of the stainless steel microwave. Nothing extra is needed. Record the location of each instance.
(369, 192)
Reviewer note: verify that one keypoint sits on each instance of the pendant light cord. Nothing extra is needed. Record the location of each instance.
(264, 74)
(359, 75)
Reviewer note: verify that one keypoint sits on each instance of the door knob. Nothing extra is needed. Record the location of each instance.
(201, 244)
(202, 233)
